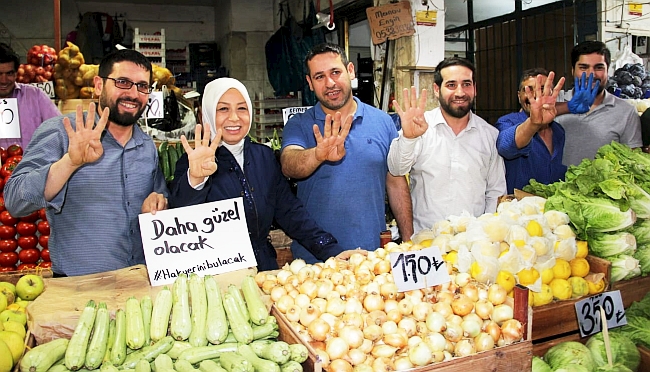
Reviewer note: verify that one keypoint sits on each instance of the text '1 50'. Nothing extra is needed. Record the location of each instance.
(418, 269)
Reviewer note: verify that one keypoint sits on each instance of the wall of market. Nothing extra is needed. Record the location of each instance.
(625, 24)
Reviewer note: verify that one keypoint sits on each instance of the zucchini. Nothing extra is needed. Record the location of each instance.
(110, 341)
(233, 362)
(75, 354)
(240, 327)
(299, 352)
(99, 339)
(177, 348)
(291, 366)
(107, 367)
(44, 356)
(118, 351)
(58, 368)
(173, 158)
(162, 308)
(146, 306)
(239, 300)
(197, 354)
(266, 330)
(149, 353)
(254, 304)
(181, 325)
(198, 317)
(163, 158)
(217, 323)
(142, 366)
(181, 365)
(134, 324)
(258, 363)
(163, 363)
(277, 351)
(210, 366)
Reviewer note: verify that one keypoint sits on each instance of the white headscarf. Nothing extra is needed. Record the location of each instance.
(211, 95)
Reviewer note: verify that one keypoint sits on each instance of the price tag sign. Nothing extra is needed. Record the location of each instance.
(155, 107)
(588, 311)
(418, 269)
(288, 112)
(206, 239)
(9, 120)
(47, 87)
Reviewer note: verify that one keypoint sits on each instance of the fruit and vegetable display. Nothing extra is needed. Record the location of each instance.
(168, 155)
(23, 241)
(608, 202)
(353, 316)
(39, 67)
(632, 79)
(193, 326)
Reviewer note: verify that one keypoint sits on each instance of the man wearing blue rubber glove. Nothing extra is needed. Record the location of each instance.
(593, 117)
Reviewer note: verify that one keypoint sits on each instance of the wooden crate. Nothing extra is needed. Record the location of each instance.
(13, 276)
(632, 290)
(559, 317)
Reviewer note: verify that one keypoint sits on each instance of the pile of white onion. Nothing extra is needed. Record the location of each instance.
(352, 315)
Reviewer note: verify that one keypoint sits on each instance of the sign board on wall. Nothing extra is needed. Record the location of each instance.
(390, 21)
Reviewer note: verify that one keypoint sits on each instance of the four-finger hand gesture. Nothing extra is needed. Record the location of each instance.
(202, 158)
(583, 94)
(542, 101)
(330, 146)
(412, 116)
(85, 140)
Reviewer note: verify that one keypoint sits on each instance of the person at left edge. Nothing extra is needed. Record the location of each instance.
(34, 106)
(94, 173)
(226, 164)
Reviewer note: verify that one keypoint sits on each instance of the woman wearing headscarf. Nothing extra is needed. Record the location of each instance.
(226, 164)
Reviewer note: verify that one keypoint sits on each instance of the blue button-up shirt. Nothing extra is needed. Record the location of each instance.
(533, 160)
(94, 218)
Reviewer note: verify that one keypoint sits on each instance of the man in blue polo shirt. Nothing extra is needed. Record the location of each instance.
(337, 150)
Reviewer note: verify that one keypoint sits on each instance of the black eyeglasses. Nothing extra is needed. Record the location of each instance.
(122, 83)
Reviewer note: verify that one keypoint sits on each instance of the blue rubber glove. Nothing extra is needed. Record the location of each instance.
(583, 94)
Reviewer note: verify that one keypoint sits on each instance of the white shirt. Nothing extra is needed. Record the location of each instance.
(450, 173)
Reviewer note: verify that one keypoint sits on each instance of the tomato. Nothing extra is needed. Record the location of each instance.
(26, 242)
(7, 232)
(14, 159)
(26, 266)
(8, 219)
(8, 258)
(2, 186)
(42, 214)
(45, 254)
(44, 264)
(8, 245)
(43, 240)
(14, 150)
(26, 228)
(43, 227)
(4, 269)
(29, 255)
(7, 169)
(3, 155)
(32, 217)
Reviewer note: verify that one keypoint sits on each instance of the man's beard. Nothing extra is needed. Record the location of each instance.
(327, 104)
(457, 112)
(114, 116)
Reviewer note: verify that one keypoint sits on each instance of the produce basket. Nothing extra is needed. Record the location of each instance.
(13, 276)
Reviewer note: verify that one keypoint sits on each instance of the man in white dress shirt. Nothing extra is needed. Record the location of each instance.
(449, 152)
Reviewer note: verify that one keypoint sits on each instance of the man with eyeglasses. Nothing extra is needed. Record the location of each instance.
(94, 173)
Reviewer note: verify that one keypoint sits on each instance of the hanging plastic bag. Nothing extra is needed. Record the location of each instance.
(625, 57)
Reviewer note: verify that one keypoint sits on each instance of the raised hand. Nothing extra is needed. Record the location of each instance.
(85, 144)
(583, 94)
(202, 158)
(330, 146)
(542, 101)
(412, 116)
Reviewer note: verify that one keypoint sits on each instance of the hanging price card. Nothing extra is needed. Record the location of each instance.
(9, 121)
(155, 108)
(418, 269)
(588, 311)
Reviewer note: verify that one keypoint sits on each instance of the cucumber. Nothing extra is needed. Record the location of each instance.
(173, 158)
(217, 323)
(75, 354)
(163, 158)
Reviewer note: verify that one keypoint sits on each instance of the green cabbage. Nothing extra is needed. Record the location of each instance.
(570, 355)
(614, 368)
(611, 244)
(623, 349)
(643, 255)
(624, 267)
(540, 365)
(641, 231)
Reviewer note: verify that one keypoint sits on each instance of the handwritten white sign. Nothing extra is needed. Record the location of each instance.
(588, 312)
(418, 269)
(155, 107)
(288, 112)
(47, 87)
(9, 120)
(210, 238)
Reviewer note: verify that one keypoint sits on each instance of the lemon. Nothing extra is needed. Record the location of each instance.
(475, 270)
(545, 296)
(531, 297)
(528, 276)
(579, 286)
(506, 280)
(596, 287)
(451, 257)
(547, 275)
(503, 253)
(561, 289)
(519, 243)
(426, 243)
(562, 269)
(534, 228)
(583, 249)
(579, 267)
